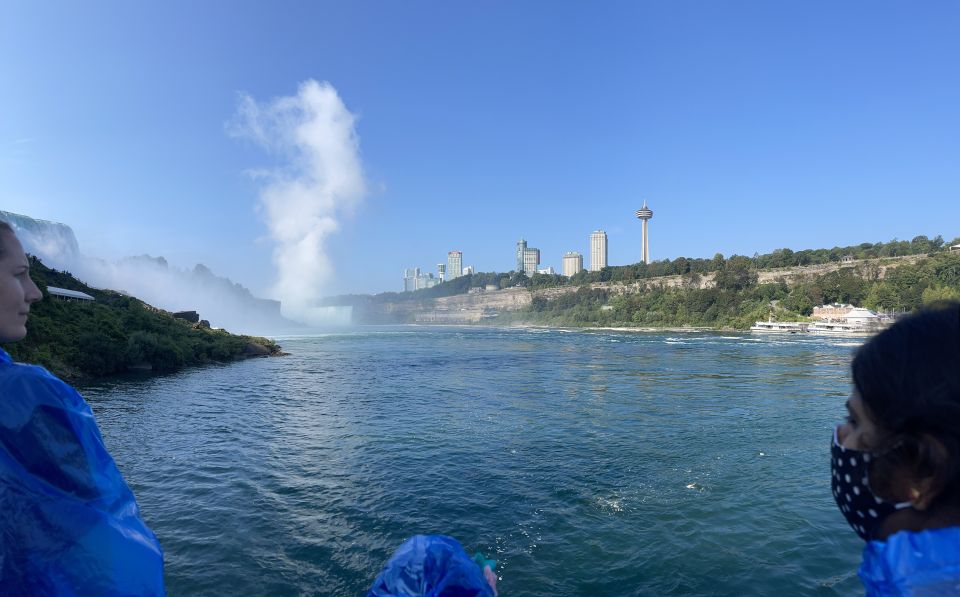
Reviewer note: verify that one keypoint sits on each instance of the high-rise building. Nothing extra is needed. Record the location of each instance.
(598, 250)
(410, 278)
(644, 213)
(531, 259)
(414, 279)
(441, 268)
(426, 281)
(521, 247)
(572, 263)
(454, 264)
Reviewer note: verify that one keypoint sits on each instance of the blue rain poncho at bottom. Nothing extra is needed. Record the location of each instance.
(915, 564)
(430, 566)
(69, 524)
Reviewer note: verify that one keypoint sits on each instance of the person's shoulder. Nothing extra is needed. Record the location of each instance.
(11, 372)
(18, 379)
(928, 559)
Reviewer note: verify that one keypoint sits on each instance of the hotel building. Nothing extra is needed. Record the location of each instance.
(598, 250)
(572, 263)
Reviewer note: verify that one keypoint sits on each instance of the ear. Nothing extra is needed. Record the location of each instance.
(924, 484)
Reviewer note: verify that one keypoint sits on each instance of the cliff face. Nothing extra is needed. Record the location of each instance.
(486, 306)
(462, 308)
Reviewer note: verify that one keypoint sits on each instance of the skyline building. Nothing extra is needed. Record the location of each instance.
(531, 259)
(598, 250)
(644, 214)
(521, 248)
(441, 269)
(454, 265)
(410, 278)
(414, 279)
(572, 263)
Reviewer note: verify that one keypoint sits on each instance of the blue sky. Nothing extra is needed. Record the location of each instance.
(747, 126)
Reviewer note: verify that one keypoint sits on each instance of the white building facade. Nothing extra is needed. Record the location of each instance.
(572, 263)
(598, 250)
(454, 264)
(531, 259)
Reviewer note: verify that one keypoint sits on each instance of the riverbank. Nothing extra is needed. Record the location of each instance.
(732, 296)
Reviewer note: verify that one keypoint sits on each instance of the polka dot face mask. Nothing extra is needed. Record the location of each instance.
(851, 489)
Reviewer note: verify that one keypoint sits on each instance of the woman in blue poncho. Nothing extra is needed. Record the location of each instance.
(69, 525)
(896, 459)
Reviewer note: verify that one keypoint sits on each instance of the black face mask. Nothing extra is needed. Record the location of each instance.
(864, 511)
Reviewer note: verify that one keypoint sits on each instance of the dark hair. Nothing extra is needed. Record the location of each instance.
(908, 377)
(4, 227)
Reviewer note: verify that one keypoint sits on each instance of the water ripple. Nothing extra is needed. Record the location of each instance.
(600, 463)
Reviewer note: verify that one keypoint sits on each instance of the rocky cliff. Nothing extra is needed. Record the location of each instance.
(488, 305)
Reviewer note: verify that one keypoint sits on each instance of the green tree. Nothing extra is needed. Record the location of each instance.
(882, 297)
(936, 294)
(737, 274)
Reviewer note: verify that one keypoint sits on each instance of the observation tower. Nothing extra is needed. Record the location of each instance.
(644, 214)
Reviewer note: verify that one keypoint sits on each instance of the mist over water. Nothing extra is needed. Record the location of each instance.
(602, 463)
(219, 300)
(319, 180)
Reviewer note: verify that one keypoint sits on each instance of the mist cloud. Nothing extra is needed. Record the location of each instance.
(152, 279)
(319, 182)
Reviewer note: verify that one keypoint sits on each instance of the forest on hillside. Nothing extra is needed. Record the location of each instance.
(116, 332)
(737, 300)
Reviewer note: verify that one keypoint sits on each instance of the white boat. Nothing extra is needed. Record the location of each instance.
(858, 322)
(780, 327)
(829, 328)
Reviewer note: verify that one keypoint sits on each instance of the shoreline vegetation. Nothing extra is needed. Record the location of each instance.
(685, 293)
(78, 340)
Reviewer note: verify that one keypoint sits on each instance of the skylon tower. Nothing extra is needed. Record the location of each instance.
(644, 213)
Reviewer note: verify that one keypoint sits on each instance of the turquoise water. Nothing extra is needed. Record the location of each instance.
(587, 463)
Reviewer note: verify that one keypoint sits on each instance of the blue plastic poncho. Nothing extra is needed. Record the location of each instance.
(69, 523)
(908, 563)
(431, 566)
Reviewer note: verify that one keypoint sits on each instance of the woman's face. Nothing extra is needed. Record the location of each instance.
(17, 290)
(858, 431)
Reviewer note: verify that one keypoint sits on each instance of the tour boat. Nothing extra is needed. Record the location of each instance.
(781, 327)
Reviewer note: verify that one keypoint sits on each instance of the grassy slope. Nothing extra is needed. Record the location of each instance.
(116, 333)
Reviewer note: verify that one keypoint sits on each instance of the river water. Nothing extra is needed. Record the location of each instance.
(586, 463)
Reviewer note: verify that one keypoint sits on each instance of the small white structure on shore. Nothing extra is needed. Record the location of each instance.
(68, 295)
(955, 248)
(861, 316)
